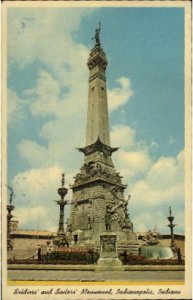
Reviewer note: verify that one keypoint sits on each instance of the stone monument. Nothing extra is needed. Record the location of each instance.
(98, 185)
(109, 260)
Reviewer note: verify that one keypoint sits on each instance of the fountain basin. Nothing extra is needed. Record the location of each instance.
(156, 252)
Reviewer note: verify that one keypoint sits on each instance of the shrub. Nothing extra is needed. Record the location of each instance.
(63, 256)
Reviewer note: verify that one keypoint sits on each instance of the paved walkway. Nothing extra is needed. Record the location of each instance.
(65, 275)
(92, 267)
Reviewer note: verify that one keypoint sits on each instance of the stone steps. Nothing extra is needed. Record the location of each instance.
(131, 248)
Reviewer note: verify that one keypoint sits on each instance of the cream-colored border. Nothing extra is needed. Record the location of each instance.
(185, 288)
(188, 148)
(4, 147)
(69, 3)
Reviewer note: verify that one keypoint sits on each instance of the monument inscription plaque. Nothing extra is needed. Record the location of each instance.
(108, 243)
(108, 260)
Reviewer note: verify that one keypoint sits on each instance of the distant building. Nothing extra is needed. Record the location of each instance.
(13, 226)
(26, 242)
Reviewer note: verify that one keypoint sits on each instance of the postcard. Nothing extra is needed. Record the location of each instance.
(96, 150)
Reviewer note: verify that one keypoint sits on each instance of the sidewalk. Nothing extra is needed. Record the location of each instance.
(23, 276)
(92, 267)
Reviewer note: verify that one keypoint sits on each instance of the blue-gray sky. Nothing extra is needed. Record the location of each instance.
(47, 101)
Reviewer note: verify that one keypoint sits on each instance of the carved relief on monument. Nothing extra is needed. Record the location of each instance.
(117, 211)
(93, 170)
(82, 216)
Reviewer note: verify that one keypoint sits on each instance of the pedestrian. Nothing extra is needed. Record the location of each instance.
(39, 256)
(179, 256)
(125, 258)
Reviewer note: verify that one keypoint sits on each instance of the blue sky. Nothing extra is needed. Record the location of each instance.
(47, 101)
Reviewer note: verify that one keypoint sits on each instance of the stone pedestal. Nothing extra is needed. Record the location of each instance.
(108, 260)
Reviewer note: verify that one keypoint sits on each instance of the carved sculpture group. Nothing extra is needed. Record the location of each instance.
(95, 169)
(151, 238)
(118, 212)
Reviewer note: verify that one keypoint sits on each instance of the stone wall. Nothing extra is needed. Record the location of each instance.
(25, 248)
(179, 243)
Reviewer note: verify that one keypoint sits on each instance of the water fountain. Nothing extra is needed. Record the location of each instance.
(156, 252)
(152, 248)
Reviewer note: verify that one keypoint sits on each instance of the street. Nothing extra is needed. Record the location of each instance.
(75, 275)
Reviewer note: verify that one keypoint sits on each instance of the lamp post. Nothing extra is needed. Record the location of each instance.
(62, 191)
(171, 226)
(10, 207)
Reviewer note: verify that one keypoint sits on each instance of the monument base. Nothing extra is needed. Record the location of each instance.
(108, 260)
(109, 264)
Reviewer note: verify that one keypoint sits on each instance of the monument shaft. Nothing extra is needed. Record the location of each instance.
(97, 114)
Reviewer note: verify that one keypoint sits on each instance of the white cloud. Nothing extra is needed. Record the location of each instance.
(166, 172)
(153, 185)
(50, 97)
(35, 191)
(34, 181)
(118, 96)
(61, 138)
(46, 36)
(152, 219)
(133, 158)
(132, 163)
(47, 93)
(124, 136)
(15, 108)
(163, 183)
(35, 154)
(61, 89)
(33, 214)
(146, 218)
(60, 92)
(42, 34)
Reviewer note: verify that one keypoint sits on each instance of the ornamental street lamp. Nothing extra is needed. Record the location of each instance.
(62, 191)
(171, 226)
(10, 207)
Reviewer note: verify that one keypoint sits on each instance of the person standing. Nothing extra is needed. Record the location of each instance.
(39, 256)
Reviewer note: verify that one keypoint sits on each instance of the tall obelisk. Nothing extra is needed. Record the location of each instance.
(97, 115)
(97, 185)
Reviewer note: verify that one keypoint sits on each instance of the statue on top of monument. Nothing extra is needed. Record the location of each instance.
(97, 33)
(110, 212)
(11, 194)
